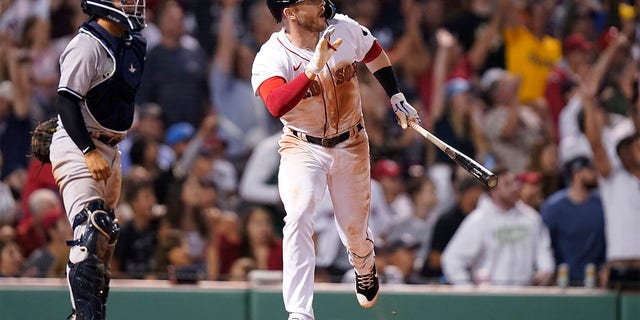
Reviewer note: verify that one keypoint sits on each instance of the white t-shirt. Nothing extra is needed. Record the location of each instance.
(498, 247)
(620, 193)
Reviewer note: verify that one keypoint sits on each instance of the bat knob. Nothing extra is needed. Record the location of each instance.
(492, 181)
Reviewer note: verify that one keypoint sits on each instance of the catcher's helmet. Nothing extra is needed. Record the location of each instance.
(129, 13)
(276, 6)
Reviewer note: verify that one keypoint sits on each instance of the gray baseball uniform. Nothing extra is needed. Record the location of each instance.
(87, 67)
(100, 74)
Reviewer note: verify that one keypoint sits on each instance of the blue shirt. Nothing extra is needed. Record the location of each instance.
(15, 144)
(576, 230)
(176, 79)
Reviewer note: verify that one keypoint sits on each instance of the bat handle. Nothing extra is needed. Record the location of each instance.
(481, 173)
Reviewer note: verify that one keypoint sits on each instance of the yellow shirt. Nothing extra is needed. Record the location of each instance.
(531, 58)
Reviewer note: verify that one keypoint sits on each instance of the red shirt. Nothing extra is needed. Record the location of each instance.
(230, 251)
(554, 94)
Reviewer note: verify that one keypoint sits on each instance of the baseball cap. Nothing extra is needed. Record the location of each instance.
(576, 42)
(403, 241)
(150, 110)
(456, 86)
(179, 132)
(529, 177)
(576, 164)
(385, 168)
(490, 77)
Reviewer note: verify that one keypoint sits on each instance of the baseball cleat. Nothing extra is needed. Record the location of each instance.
(367, 288)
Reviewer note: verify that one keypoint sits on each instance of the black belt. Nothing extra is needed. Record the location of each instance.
(107, 139)
(326, 142)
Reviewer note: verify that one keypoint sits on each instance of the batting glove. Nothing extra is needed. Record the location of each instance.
(403, 110)
(324, 51)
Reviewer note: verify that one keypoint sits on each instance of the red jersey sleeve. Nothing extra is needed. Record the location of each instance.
(373, 53)
(281, 96)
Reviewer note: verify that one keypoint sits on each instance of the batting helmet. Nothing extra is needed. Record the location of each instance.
(129, 13)
(276, 6)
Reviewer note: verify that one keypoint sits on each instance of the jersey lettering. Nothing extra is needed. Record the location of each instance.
(342, 75)
(345, 73)
(314, 90)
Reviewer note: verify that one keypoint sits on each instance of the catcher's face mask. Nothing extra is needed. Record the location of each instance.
(129, 13)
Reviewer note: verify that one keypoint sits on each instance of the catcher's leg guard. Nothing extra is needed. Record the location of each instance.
(88, 269)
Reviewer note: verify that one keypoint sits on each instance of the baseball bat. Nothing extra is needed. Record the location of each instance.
(481, 173)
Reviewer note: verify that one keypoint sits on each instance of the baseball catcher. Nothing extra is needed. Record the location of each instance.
(100, 72)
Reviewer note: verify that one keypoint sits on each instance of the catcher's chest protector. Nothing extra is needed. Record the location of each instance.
(112, 102)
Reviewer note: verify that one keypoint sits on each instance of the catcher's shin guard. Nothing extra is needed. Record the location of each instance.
(88, 269)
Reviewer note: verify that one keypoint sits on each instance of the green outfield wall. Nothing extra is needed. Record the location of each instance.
(47, 300)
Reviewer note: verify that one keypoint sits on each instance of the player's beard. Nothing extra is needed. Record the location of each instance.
(590, 184)
(313, 24)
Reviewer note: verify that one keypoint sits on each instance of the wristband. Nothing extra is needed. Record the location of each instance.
(88, 149)
(387, 78)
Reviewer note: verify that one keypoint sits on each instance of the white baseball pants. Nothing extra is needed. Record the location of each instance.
(306, 170)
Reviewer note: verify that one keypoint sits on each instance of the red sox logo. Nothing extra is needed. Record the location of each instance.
(345, 73)
(340, 76)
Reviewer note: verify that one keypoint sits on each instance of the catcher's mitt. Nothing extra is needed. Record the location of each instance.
(41, 139)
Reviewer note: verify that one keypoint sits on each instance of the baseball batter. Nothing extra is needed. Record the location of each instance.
(306, 75)
(100, 71)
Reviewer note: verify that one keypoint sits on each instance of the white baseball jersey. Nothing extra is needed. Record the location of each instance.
(334, 94)
(620, 194)
(331, 106)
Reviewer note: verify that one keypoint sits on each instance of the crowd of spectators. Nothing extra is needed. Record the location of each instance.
(545, 93)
